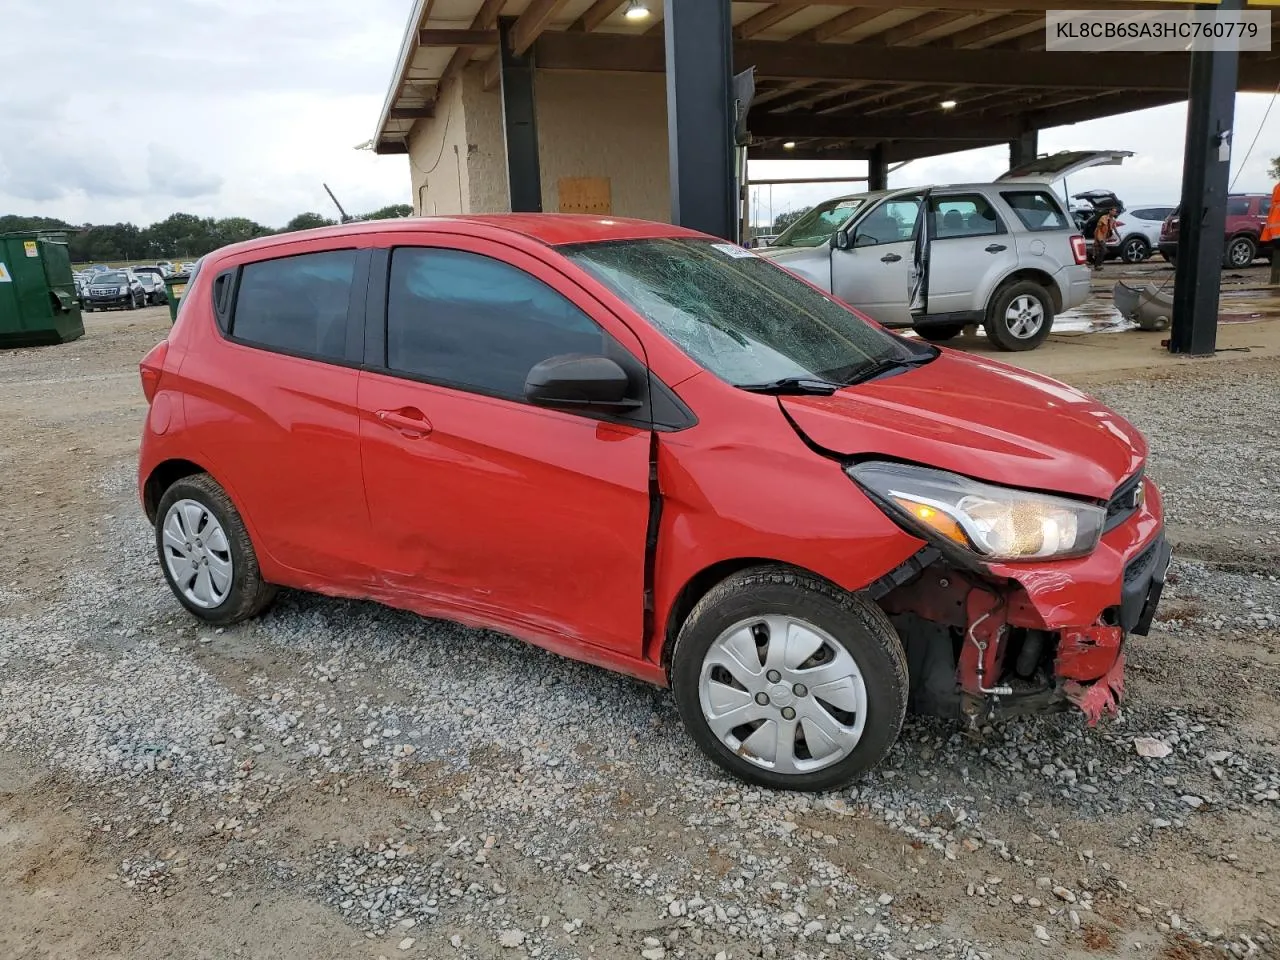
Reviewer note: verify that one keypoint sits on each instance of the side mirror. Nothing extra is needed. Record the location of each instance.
(840, 240)
(579, 381)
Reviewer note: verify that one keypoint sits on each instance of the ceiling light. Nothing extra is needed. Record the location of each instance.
(637, 10)
(789, 145)
(948, 104)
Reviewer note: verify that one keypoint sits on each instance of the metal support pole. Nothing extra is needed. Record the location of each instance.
(1205, 180)
(1024, 148)
(877, 169)
(700, 117)
(519, 125)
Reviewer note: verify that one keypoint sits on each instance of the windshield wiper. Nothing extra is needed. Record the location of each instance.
(792, 385)
(885, 365)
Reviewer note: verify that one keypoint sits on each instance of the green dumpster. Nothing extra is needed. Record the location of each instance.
(175, 285)
(37, 292)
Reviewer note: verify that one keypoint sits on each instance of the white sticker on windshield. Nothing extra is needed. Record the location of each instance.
(733, 250)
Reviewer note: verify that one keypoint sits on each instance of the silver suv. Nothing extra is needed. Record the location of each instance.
(1006, 255)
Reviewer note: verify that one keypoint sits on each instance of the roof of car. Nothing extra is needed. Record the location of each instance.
(553, 229)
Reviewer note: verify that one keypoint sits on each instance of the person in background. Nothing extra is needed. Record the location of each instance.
(1270, 240)
(1102, 232)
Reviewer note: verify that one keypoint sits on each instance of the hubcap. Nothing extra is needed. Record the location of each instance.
(197, 553)
(1024, 317)
(1133, 251)
(783, 694)
(1240, 255)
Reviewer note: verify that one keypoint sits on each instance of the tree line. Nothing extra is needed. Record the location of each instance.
(180, 236)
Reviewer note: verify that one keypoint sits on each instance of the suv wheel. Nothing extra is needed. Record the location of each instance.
(788, 682)
(206, 555)
(1019, 316)
(1135, 250)
(1241, 252)
(939, 332)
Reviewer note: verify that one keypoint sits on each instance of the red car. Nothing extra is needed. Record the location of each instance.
(651, 450)
(1246, 216)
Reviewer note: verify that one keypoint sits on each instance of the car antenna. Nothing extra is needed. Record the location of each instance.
(346, 218)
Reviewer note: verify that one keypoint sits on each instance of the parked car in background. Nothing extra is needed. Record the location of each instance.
(1005, 255)
(115, 288)
(776, 504)
(166, 267)
(152, 281)
(763, 239)
(1246, 216)
(96, 268)
(1138, 233)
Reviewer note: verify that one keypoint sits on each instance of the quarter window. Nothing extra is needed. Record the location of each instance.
(476, 323)
(296, 304)
(1036, 209)
(964, 216)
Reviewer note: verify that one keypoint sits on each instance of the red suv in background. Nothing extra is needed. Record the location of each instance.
(1246, 215)
(657, 452)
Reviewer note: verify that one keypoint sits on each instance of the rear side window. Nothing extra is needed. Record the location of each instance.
(1264, 206)
(1037, 209)
(963, 216)
(1237, 206)
(476, 323)
(296, 304)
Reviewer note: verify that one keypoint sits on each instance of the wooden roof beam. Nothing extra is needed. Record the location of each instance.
(841, 23)
(766, 18)
(530, 24)
(997, 30)
(596, 14)
(486, 18)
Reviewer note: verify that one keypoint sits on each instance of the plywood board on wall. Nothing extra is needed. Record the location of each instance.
(585, 195)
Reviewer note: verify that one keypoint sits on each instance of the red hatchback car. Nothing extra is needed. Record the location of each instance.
(655, 451)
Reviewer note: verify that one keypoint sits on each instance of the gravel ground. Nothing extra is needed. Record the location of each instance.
(338, 779)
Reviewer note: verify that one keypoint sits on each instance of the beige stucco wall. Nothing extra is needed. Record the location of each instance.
(611, 125)
(606, 125)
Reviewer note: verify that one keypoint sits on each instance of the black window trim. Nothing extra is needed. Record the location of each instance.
(353, 354)
(377, 318)
(1002, 230)
(1068, 222)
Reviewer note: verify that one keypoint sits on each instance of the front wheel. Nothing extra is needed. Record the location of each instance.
(206, 555)
(788, 682)
(939, 332)
(1135, 250)
(1019, 316)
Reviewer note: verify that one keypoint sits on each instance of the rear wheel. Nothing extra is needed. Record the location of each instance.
(1019, 316)
(788, 682)
(1134, 250)
(1241, 252)
(939, 332)
(206, 555)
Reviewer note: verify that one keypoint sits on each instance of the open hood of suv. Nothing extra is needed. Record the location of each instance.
(981, 419)
(1064, 164)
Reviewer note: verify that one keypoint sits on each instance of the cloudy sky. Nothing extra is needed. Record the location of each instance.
(133, 109)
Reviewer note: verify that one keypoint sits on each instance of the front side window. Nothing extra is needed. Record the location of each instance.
(892, 222)
(817, 225)
(963, 216)
(1036, 209)
(296, 304)
(734, 313)
(476, 323)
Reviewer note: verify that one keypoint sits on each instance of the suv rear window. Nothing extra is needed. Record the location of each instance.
(296, 304)
(1037, 209)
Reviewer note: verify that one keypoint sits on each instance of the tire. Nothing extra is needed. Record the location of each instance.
(851, 630)
(133, 302)
(1170, 258)
(238, 596)
(1134, 249)
(1241, 251)
(1034, 301)
(939, 332)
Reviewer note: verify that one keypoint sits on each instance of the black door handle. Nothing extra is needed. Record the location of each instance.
(995, 247)
(890, 258)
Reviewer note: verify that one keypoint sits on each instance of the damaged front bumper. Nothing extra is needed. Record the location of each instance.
(1019, 638)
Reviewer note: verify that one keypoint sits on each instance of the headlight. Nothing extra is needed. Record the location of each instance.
(122, 290)
(997, 523)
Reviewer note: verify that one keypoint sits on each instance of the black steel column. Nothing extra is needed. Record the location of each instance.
(700, 116)
(519, 125)
(877, 169)
(1024, 148)
(1206, 169)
